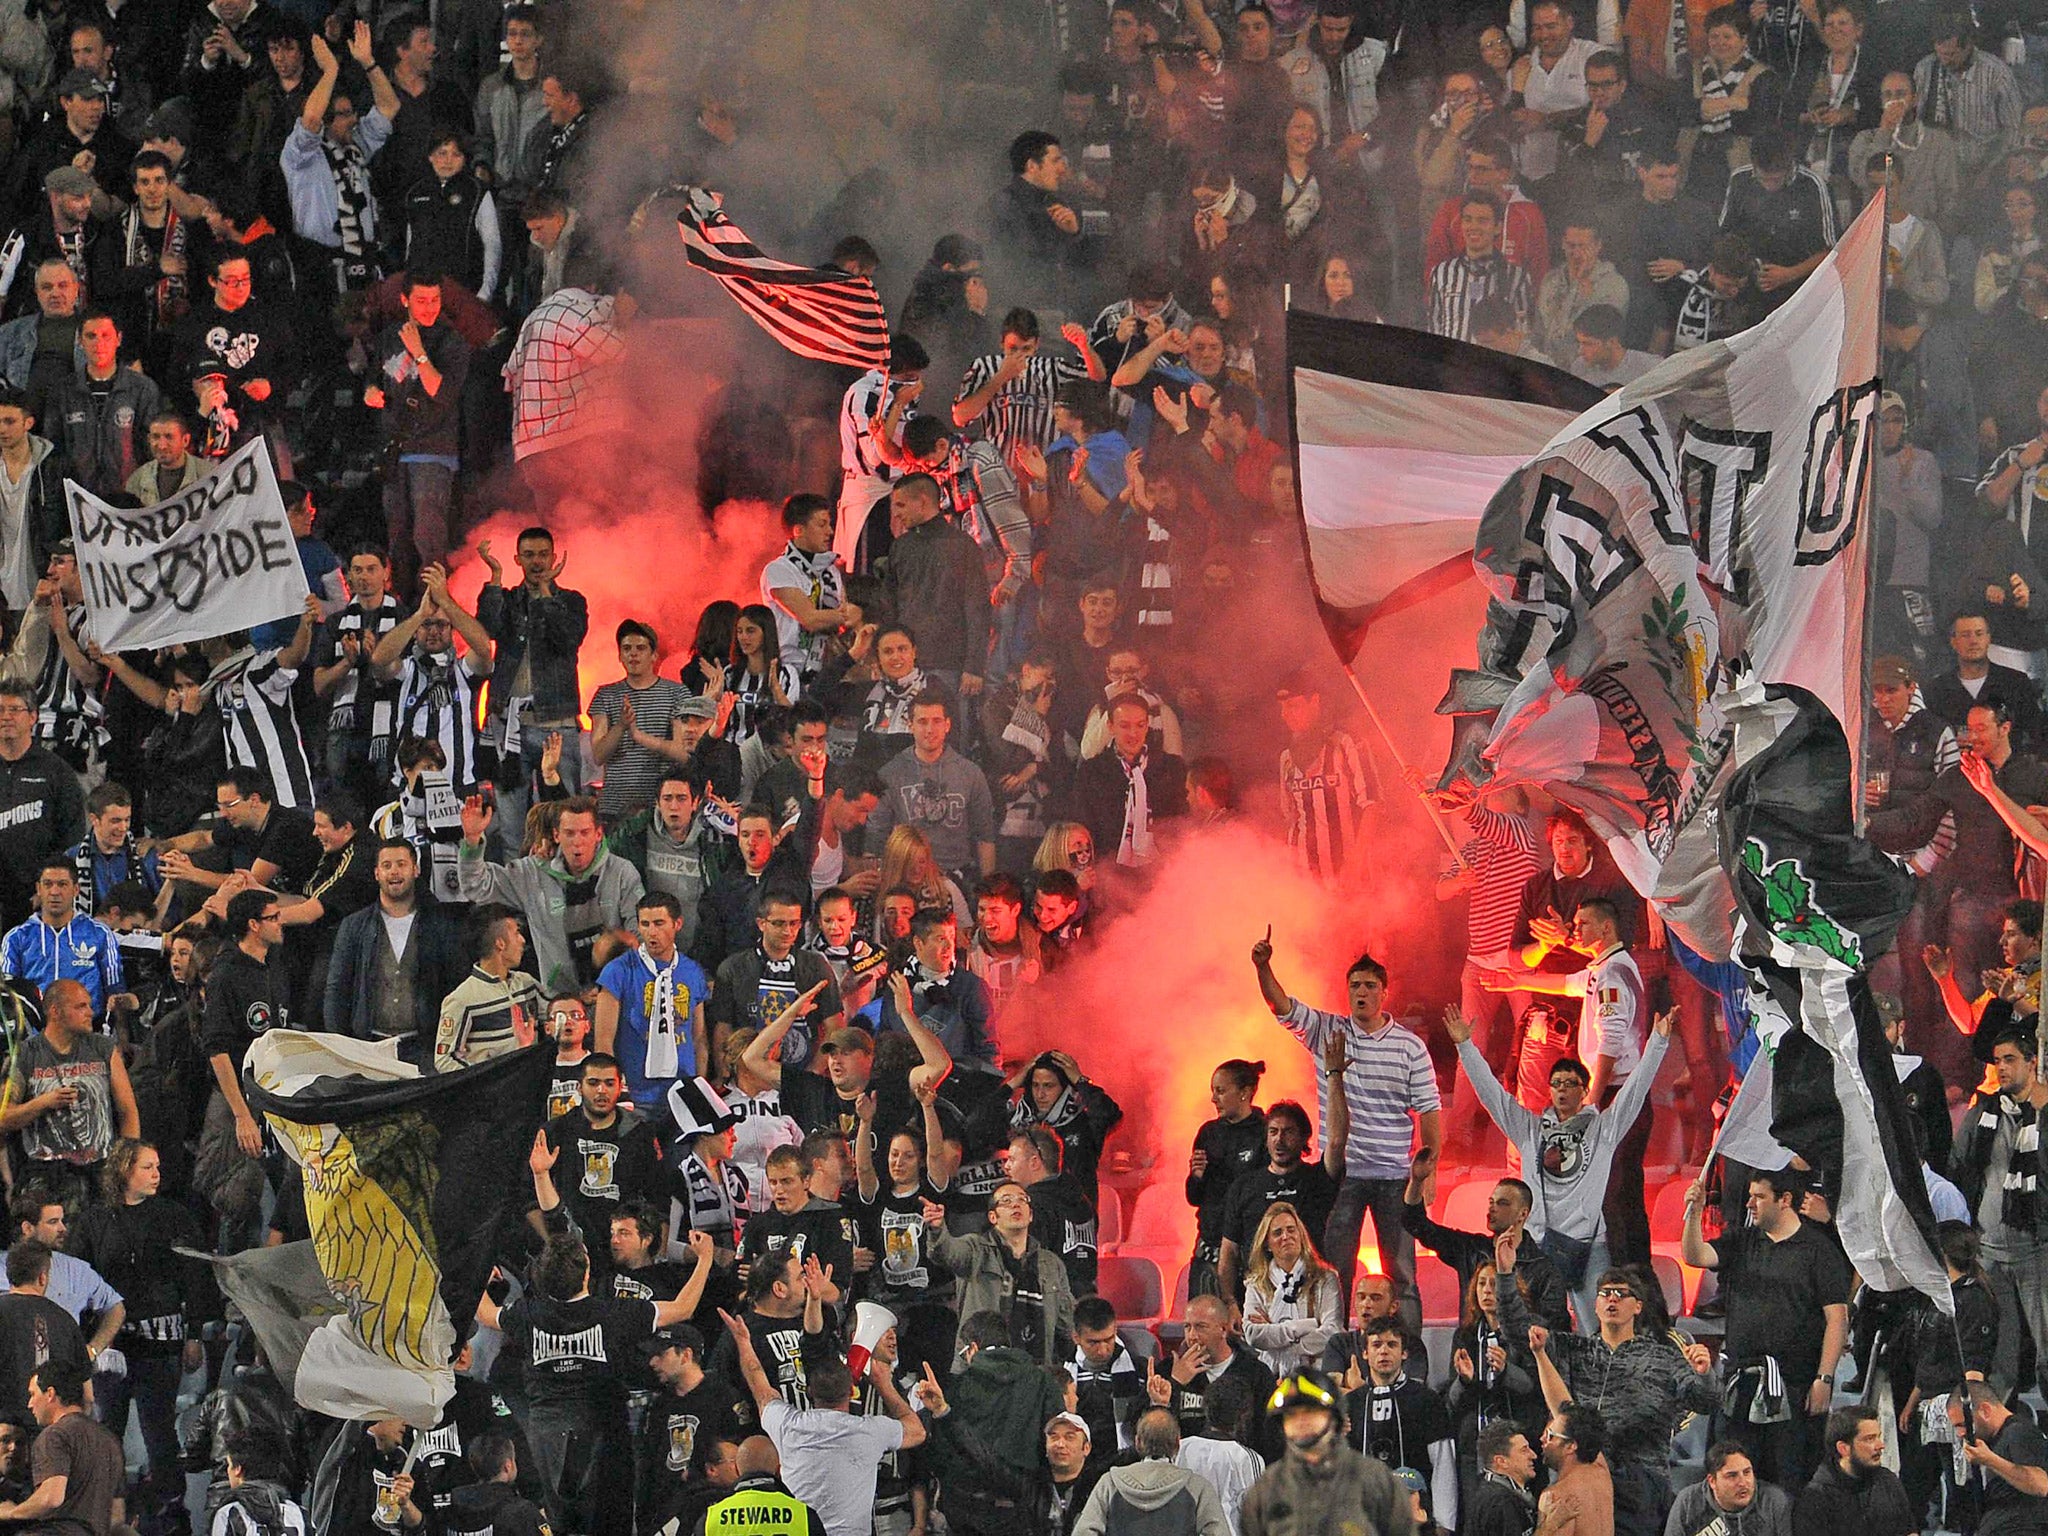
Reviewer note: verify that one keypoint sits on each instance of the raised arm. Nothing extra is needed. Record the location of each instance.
(1693, 1246)
(1335, 1060)
(1270, 989)
(759, 1387)
(683, 1306)
(756, 1058)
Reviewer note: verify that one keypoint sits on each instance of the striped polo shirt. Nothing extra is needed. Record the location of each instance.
(1390, 1075)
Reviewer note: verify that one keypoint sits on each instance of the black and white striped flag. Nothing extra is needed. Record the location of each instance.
(817, 312)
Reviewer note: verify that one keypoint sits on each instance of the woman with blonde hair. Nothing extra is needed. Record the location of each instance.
(1070, 846)
(1293, 1301)
(907, 864)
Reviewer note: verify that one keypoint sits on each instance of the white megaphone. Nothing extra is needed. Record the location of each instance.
(870, 1321)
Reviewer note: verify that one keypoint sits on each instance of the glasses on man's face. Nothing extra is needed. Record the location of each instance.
(15, 709)
(1552, 1437)
(1615, 1293)
(225, 806)
(1014, 1201)
(234, 282)
(271, 917)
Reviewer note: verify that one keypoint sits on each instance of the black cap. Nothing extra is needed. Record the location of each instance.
(675, 1336)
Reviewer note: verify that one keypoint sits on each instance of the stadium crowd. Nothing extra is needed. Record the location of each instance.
(806, 1246)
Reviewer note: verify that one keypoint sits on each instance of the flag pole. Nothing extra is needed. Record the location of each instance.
(1861, 771)
(1436, 817)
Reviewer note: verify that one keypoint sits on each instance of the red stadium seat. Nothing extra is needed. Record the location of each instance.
(1132, 1286)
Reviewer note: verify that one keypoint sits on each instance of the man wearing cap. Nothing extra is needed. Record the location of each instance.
(677, 1461)
(60, 227)
(1907, 747)
(78, 134)
(91, 50)
(1909, 511)
(1070, 1475)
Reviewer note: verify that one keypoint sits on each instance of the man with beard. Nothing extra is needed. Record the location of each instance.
(1580, 1499)
(1311, 1188)
(791, 1328)
(395, 960)
(1729, 1498)
(613, 1159)
(686, 1425)
(1320, 1483)
(1854, 1493)
(1507, 1210)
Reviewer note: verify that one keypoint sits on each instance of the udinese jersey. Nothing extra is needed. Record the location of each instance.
(1326, 800)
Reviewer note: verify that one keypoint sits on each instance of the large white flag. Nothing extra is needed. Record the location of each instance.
(1705, 524)
(217, 557)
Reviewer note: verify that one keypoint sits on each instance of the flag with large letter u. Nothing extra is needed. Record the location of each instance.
(1705, 524)
(817, 312)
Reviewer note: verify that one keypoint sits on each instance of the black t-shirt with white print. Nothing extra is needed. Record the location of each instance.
(892, 1228)
(577, 1352)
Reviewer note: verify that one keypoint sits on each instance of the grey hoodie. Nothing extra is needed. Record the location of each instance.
(1152, 1486)
(607, 896)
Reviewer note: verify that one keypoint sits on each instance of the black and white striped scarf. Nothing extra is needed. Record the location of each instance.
(351, 171)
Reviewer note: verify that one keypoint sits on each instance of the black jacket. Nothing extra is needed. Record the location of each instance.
(1099, 787)
(1835, 1504)
(42, 812)
(939, 584)
(1947, 698)
(1466, 1251)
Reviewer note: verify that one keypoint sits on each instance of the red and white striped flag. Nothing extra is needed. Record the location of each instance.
(816, 312)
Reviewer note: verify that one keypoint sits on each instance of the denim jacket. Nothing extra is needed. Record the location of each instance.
(542, 631)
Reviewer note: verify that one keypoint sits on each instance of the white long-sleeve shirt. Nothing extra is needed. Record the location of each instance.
(1565, 1162)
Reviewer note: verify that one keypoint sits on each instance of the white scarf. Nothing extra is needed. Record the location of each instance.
(661, 1019)
(1135, 847)
(1288, 1284)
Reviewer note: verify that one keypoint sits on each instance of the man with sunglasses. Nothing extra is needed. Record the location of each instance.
(42, 804)
(1641, 1381)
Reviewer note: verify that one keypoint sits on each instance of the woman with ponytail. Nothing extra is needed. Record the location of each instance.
(1226, 1148)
